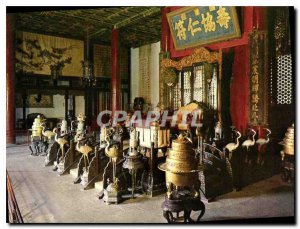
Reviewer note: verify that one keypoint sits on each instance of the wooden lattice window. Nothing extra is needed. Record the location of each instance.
(194, 85)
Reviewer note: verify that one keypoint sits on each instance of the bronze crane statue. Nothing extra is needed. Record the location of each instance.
(85, 150)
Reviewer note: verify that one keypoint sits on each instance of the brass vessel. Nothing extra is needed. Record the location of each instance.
(37, 127)
(288, 141)
(181, 166)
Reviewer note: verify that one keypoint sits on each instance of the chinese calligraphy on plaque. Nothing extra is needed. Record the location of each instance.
(194, 26)
(258, 79)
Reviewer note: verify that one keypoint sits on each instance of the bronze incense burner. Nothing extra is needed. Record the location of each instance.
(288, 156)
(288, 141)
(181, 166)
(37, 127)
(38, 144)
(181, 169)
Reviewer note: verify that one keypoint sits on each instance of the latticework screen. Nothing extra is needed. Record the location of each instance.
(177, 93)
(284, 79)
(199, 84)
(187, 95)
(192, 85)
(213, 90)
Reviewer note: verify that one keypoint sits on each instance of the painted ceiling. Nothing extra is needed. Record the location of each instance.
(137, 25)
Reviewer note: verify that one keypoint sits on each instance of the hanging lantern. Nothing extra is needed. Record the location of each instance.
(87, 65)
(88, 71)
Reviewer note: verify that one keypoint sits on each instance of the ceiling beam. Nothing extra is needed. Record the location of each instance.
(107, 25)
(137, 17)
(98, 32)
(117, 13)
(151, 32)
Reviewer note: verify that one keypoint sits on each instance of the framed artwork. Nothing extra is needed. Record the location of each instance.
(200, 25)
(39, 101)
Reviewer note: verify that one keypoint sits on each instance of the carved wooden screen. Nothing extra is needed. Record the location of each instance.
(177, 93)
(282, 74)
(192, 83)
(199, 84)
(213, 90)
(187, 87)
(196, 86)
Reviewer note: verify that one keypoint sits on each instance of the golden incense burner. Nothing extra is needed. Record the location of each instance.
(181, 166)
(37, 127)
(288, 141)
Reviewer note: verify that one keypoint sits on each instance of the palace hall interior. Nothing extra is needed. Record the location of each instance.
(161, 114)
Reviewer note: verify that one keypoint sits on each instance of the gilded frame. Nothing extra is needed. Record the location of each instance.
(236, 34)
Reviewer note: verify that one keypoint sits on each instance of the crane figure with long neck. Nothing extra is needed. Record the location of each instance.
(232, 146)
(263, 141)
(250, 142)
(62, 142)
(48, 133)
(85, 150)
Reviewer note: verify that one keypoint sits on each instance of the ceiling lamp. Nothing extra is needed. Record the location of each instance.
(88, 77)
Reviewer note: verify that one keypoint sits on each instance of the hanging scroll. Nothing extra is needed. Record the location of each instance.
(258, 78)
(102, 60)
(194, 26)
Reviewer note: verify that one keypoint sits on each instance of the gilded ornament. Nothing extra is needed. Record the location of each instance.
(169, 76)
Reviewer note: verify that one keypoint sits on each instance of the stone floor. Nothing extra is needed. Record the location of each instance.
(45, 197)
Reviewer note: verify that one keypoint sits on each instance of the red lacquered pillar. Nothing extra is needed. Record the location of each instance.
(10, 76)
(115, 76)
(165, 32)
